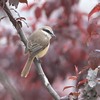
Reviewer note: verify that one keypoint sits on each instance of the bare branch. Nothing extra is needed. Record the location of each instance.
(45, 80)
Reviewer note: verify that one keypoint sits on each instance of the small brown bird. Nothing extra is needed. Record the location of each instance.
(37, 46)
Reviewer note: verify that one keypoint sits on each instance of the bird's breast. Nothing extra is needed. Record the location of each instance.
(43, 52)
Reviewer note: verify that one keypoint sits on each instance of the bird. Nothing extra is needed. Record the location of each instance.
(37, 46)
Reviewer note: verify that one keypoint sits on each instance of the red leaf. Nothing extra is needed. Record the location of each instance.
(76, 70)
(73, 77)
(92, 29)
(38, 12)
(15, 38)
(84, 69)
(66, 87)
(21, 18)
(94, 10)
(25, 8)
(82, 82)
(33, 25)
(23, 1)
(75, 93)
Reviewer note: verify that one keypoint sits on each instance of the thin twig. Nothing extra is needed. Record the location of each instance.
(16, 25)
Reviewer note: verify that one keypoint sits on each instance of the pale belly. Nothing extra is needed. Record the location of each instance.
(43, 52)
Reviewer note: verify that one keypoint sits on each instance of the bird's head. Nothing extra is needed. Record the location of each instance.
(48, 30)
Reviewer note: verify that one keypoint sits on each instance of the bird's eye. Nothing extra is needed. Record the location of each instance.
(46, 30)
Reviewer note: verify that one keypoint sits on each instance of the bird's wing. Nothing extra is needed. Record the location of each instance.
(35, 46)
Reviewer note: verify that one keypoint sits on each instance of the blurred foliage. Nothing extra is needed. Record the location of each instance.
(71, 47)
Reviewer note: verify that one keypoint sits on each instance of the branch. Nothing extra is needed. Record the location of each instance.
(16, 25)
(45, 80)
(38, 65)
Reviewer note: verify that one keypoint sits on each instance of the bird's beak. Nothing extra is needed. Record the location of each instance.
(53, 35)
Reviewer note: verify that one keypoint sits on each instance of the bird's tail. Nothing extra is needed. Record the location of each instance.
(27, 67)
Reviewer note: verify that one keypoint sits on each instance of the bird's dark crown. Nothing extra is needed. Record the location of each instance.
(48, 30)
